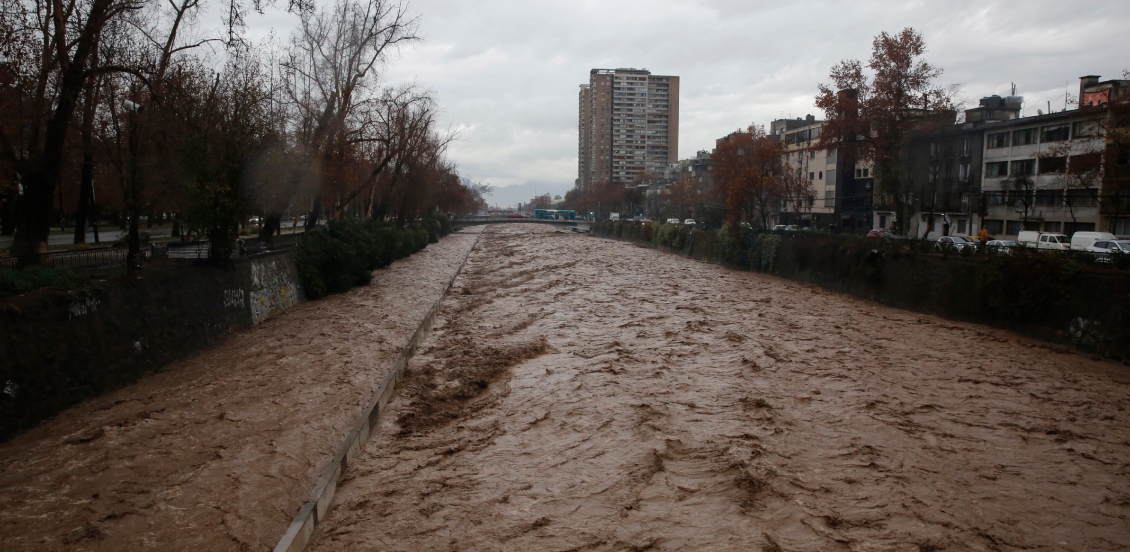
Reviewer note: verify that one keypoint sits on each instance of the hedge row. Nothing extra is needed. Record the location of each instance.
(343, 254)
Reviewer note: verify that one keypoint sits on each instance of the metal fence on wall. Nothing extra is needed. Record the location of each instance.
(97, 259)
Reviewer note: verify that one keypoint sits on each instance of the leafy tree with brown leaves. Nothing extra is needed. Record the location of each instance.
(871, 112)
(750, 172)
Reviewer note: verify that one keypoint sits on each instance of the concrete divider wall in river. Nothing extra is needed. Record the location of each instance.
(59, 348)
(1051, 297)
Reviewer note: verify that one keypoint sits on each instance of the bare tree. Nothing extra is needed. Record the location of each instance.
(332, 76)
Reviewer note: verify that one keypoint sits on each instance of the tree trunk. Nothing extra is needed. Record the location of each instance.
(272, 226)
(133, 196)
(8, 216)
(315, 212)
(41, 178)
(86, 182)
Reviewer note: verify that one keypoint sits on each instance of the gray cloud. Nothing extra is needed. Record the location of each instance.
(506, 73)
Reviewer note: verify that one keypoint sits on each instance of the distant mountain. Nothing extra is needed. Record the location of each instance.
(511, 196)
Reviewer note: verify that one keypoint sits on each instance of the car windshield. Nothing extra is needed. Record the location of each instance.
(1058, 239)
(959, 239)
(1123, 245)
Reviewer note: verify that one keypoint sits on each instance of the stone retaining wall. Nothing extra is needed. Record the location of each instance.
(58, 348)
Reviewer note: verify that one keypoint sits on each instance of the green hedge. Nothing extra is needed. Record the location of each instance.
(17, 281)
(343, 254)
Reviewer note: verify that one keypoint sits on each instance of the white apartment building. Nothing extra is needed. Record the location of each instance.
(628, 126)
(1028, 181)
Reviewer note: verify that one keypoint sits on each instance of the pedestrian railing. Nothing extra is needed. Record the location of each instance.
(96, 259)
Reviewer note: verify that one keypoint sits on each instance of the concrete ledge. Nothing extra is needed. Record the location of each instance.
(318, 505)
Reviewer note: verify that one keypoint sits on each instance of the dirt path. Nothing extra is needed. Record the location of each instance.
(580, 393)
(218, 452)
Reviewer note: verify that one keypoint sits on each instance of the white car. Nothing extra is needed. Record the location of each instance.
(689, 222)
(1103, 249)
(672, 221)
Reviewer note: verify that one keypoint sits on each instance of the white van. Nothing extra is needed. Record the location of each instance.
(1044, 241)
(1080, 240)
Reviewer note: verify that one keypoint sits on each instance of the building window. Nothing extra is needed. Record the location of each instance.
(865, 173)
(812, 176)
(1024, 167)
(1052, 165)
(1055, 133)
(960, 226)
(1086, 129)
(993, 227)
(859, 173)
(1084, 163)
(1082, 198)
(996, 169)
(1052, 227)
(963, 172)
(829, 198)
(998, 140)
(1070, 228)
(1024, 137)
(1049, 198)
(1013, 227)
(820, 175)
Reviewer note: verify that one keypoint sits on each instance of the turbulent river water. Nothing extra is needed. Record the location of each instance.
(581, 393)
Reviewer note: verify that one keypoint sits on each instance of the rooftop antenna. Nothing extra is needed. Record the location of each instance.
(1013, 89)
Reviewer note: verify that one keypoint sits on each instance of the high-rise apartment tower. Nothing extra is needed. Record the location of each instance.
(628, 126)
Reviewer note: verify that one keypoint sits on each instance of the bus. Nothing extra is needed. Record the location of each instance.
(555, 214)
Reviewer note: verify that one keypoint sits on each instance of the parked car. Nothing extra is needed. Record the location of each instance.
(1044, 241)
(1104, 249)
(515, 215)
(880, 233)
(672, 221)
(253, 220)
(1001, 247)
(1080, 240)
(948, 244)
(689, 222)
(784, 228)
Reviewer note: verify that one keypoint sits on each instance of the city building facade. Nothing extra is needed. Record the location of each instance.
(628, 126)
(812, 165)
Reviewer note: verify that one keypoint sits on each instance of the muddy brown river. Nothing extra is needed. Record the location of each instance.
(587, 394)
(579, 393)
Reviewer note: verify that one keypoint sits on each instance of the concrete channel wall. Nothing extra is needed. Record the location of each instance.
(58, 348)
(301, 530)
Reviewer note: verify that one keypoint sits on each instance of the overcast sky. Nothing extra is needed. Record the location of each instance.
(506, 72)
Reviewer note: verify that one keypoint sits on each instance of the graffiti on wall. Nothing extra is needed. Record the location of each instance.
(234, 298)
(82, 308)
(274, 288)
